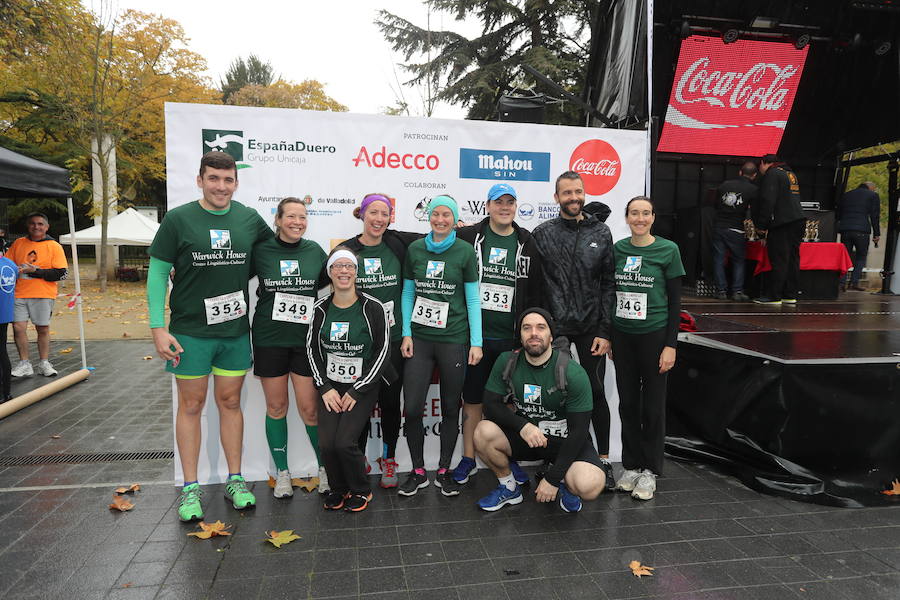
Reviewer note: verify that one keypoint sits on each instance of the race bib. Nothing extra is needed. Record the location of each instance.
(343, 369)
(293, 308)
(497, 297)
(226, 307)
(430, 313)
(389, 312)
(557, 428)
(631, 305)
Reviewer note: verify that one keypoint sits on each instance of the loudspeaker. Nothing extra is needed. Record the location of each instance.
(521, 109)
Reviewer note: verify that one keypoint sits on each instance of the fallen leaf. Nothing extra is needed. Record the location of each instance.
(121, 503)
(55, 436)
(279, 538)
(66, 350)
(125, 322)
(148, 357)
(638, 569)
(308, 484)
(208, 531)
(895, 489)
(125, 335)
(127, 585)
(52, 333)
(90, 321)
(134, 487)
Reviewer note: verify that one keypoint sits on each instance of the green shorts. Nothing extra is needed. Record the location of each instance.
(219, 356)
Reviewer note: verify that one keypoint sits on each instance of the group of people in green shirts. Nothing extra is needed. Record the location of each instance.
(490, 306)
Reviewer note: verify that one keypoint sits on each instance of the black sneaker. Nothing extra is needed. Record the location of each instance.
(740, 297)
(334, 501)
(721, 295)
(448, 485)
(608, 471)
(357, 502)
(414, 482)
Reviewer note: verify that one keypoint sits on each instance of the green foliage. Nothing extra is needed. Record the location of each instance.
(242, 73)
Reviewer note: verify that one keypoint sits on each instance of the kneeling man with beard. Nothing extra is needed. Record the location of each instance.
(534, 410)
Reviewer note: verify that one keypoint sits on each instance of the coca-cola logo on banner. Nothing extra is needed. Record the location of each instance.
(731, 99)
(598, 164)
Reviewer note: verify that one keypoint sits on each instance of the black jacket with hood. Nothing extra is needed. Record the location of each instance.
(779, 198)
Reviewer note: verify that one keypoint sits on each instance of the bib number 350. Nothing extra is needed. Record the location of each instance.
(226, 307)
(343, 369)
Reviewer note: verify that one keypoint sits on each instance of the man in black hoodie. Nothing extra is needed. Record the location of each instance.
(778, 214)
(579, 290)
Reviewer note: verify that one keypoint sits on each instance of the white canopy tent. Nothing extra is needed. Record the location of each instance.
(128, 228)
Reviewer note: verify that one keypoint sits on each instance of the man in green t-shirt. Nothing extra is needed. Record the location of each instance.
(208, 244)
(529, 417)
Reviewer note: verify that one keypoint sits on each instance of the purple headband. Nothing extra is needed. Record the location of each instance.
(374, 198)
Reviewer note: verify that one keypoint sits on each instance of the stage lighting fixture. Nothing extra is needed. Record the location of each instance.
(882, 47)
(764, 23)
(731, 36)
(685, 30)
(802, 41)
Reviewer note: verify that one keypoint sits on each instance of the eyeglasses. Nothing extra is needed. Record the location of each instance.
(343, 267)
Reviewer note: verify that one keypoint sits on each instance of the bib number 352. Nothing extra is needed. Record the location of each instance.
(226, 307)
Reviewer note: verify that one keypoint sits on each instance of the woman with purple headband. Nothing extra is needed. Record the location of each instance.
(381, 254)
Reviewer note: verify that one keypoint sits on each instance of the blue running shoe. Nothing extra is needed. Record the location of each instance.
(518, 474)
(500, 497)
(568, 501)
(465, 468)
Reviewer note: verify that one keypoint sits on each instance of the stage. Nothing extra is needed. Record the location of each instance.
(798, 400)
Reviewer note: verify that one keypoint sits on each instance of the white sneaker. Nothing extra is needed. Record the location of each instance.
(45, 368)
(645, 486)
(324, 488)
(283, 486)
(627, 480)
(23, 369)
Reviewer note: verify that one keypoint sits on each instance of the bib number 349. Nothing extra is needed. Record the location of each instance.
(226, 307)
(292, 308)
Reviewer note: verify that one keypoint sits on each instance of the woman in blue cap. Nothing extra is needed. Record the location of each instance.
(441, 325)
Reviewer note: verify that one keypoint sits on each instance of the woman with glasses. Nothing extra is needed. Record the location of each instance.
(349, 354)
(288, 268)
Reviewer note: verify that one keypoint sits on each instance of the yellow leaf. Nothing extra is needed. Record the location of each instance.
(639, 570)
(211, 530)
(895, 489)
(121, 503)
(279, 538)
(148, 357)
(55, 436)
(134, 487)
(66, 350)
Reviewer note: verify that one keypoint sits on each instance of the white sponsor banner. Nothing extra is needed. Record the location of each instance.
(331, 160)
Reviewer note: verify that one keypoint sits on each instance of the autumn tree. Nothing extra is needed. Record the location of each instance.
(308, 95)
(242, 73)
(553, 36)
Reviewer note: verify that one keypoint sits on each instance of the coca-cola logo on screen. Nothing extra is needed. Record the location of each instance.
(762, 86)
(598, 164)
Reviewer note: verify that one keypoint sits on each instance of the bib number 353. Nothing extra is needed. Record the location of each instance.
(226, 307)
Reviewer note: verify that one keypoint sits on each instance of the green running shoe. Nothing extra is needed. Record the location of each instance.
(236, 491)
(189, 508)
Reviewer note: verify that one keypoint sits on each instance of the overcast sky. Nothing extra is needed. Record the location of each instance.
(335, 42)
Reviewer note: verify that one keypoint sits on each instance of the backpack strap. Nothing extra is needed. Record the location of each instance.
(564, 355)
(507, 373)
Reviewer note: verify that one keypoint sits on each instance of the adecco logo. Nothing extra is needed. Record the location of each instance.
(381, 159)
(229, 141)
(598, 164)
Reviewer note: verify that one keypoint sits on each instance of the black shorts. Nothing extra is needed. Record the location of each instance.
(276, 361)
(522, 451)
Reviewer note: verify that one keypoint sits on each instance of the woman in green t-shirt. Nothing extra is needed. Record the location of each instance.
(349, 355)
(288, 268)
(644, 333)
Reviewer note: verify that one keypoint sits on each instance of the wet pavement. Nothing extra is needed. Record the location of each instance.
(707, 536)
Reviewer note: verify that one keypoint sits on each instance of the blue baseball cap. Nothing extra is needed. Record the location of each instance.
(500, 189)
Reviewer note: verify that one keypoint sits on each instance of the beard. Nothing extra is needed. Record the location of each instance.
(572, 208)
(537, 349)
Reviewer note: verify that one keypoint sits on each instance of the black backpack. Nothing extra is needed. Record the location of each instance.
(562, 363)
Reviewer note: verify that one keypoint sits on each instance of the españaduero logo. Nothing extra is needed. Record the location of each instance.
(246, 150)
(502, 164)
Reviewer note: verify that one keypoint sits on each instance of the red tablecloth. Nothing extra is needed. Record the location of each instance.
(814, 256)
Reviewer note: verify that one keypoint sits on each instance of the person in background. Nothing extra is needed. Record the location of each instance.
(733, 201)
(858, 215)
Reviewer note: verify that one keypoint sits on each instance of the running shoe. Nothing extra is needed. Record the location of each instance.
(448, 485)
(789, 301)
(23, 369)
(767, 301)
(740, 297)
(389, 476)
(414, 482)
(721, 295)
(645, 486)
(236, 491)
(334, 501)
(628, 480)
(518, 473)
(189, 508)
(500, 497)
(568, 501)
(283, 486)
(324, 488)
(608, 471)
(357, 502)
(465, 468)
(45, 368)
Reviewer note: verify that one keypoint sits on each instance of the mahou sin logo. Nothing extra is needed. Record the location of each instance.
(732, 99)
(598, 164)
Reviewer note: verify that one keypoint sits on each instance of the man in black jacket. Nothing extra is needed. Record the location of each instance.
(579, 290)
(859, 214)
(510, 278)
(733, 199)
(778, 214)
